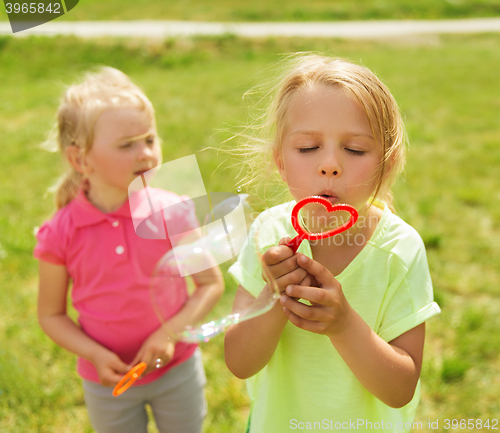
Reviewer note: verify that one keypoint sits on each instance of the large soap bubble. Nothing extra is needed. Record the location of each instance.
(191, 289)
(202, 235)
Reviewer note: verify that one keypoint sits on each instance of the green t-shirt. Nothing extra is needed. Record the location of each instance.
(306, 385)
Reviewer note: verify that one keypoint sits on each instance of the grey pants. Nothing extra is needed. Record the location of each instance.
(176, 399)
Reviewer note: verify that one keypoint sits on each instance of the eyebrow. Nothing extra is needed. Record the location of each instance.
(137, 137)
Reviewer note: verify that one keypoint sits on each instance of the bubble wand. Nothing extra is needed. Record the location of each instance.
(304, 234)
(132, 375)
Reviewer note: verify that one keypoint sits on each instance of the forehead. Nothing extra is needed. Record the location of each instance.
(332, 107)
(122, 122)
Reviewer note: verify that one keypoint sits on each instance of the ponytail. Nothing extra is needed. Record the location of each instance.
(67, 187)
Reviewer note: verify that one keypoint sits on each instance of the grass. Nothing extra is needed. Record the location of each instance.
(448, 90)
(280, 10)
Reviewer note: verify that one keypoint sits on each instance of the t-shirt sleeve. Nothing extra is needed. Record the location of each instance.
(247, 270)
(48, 247)
(411, 299)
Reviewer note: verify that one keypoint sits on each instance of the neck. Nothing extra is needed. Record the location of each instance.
(107, 203)
(337, 252)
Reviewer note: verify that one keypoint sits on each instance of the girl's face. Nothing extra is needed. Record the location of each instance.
(116, 158)
(328, 148)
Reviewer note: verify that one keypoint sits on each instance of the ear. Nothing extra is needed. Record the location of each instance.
(389, 163)
(74, 154)
(280, 164)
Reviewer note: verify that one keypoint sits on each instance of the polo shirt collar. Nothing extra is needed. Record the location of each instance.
(84, 213)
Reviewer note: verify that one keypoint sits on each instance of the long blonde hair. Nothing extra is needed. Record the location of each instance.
(77, 114)
(303, 72)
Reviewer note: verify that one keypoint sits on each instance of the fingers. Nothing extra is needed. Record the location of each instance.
(156, 360)
(310, 281)
(156, 352)
(322, 275)
(295, 277)
(277, 254)
(327, 296)
(315, 326)
(282, 266)
(315, 318)
(113, 373)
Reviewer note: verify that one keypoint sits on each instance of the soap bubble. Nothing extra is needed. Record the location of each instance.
(191, 288)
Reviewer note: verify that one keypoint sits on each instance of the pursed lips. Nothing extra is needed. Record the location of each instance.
(329, 195)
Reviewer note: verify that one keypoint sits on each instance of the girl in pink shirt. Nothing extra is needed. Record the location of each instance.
(107, 134)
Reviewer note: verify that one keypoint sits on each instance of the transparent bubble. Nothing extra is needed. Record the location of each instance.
(192, 289)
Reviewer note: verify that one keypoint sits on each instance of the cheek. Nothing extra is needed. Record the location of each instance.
(366, 172)
(158, 156)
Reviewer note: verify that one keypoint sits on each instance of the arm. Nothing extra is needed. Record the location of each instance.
(250, 344)
(56, 323)
(389, 371)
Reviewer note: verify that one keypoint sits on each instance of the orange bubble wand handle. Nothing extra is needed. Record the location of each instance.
(127, 381)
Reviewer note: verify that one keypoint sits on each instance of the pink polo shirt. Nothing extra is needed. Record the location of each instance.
(110, 267)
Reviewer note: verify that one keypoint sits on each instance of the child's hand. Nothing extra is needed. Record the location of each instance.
(330, 313)
(110, 368)
(282, 264)
(159, 345)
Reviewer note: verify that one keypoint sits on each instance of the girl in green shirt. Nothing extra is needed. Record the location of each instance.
(343, 346)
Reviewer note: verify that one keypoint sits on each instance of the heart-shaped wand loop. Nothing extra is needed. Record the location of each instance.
(304, 234)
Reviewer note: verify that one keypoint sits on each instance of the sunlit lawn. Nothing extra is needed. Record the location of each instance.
(449, 91)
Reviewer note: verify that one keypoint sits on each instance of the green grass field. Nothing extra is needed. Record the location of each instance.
(280, 10)
(449, 92)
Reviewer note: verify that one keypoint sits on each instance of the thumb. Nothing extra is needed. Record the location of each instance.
(284, 241)
(136, 360)
(322, 275)
(122, 368)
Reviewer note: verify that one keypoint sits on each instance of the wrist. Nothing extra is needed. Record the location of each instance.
(95, 353)
(345, 330)
(170, 332)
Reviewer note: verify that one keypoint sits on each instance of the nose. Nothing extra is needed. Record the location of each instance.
(145, 151)
(329, 166)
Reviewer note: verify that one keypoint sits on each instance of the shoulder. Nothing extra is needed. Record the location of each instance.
(54, 235)
(61, 223)
(400, 239)
(273, 224)
(276, 214)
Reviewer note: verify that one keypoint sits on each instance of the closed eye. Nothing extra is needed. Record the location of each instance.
(356, 152)
(307, 149)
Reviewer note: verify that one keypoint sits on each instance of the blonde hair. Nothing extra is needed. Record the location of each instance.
(305, 72)
(77, 114)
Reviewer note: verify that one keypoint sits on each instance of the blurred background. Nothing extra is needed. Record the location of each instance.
(448, 90)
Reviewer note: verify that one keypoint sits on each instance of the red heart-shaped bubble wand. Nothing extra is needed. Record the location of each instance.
(304, 234)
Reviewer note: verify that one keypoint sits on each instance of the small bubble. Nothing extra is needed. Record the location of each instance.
(238, 189)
